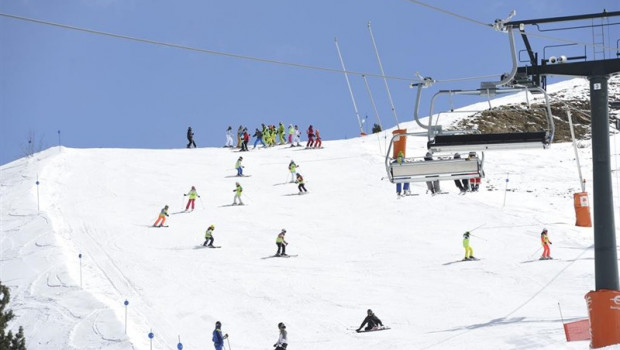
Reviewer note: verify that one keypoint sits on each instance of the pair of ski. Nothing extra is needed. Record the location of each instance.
(280, 256)
(373, 330)
(462, 260)
(207, 246)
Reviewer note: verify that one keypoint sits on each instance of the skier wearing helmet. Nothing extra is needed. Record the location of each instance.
(209, 237)
(162, 217)
(372, 320)
(238, 189)
(544, 240)
(192, 198)
(469, 251)
(281, 243)
(218, 338)
(282, 338)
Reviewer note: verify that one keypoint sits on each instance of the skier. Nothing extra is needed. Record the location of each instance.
(281, 133)
(292, 167)
(301, 184)
(238, 189)
(239, 136)
(246, 140)
(372, 320)
(229, 138)
(282, 338)
(259, 137)
(399, 160)
(218, 338)
(190, 138)
(469, 251)
(317, 142)
(473, 182)
(192, 198)
(239, 167)
(544, 240)
(297, 138)
(291, 132)
(162, 217)
(281, 243)
(463, 185)
(310, 134)
(209, 237)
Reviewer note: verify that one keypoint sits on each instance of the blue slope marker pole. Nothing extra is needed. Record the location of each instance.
(80, 256)
(126, 303)
(38, 210)
(151, 335)
(505, 191)
(58, 140)
(179, 345)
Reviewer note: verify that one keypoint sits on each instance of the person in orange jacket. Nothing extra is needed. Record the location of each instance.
(544, 240)
(162, 217)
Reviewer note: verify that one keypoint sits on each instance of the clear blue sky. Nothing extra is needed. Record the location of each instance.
(101, 91)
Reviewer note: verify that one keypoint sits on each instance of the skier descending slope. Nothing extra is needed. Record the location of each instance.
(238, 189)
(162, 217)
(209, 237)
(282, 338)
(239, 167)
(281, 243)
(292, 167)
(301, 184)
(192, 198)
(469, 251)
(544, 240)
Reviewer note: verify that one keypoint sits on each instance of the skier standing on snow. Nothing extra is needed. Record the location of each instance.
(218, 338)
(544, 240)
(297, 138)
(258, 135)
(372, 320)
(292, 167)
(238, 189)
(281, 134)
(310, 134)
(246, 140)
(317, 142)
(469, 251)
(239, 136)
(162, 217)
(192, 198)
(291, 132)
(229, 138)
(301, 185)
(190, 138)
(239, 167)
(281, 243)
(282, 338)
(209, 237)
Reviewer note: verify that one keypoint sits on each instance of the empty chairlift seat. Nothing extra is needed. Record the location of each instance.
(488, 142)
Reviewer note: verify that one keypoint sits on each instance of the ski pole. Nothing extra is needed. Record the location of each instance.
(202, 203)
(529, 256)
(477, 227)
(228, 341)
(478, 237)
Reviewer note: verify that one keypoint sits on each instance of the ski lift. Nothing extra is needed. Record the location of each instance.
(418, 169)
(473, 140)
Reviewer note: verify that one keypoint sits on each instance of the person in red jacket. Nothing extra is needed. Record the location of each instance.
(310, 133)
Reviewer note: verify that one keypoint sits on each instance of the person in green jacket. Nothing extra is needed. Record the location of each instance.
(469, 251)
(281, 243)
(292, 167)
(238, 189)
(291, 132)
(281, 133)
(192, 198)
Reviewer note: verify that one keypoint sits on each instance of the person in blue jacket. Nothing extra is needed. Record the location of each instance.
(218, 338)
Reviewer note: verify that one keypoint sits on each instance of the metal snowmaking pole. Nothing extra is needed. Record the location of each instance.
(346, 76)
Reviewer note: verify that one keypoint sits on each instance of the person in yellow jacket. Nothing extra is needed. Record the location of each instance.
(301, 184)
(209, 237)
(281, 243)
(544, 240)
(292, 167)
(162, 217)
(469, 251)
(238, 189)
(192, 198)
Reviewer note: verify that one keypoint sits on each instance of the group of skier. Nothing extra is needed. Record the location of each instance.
(544, 240)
